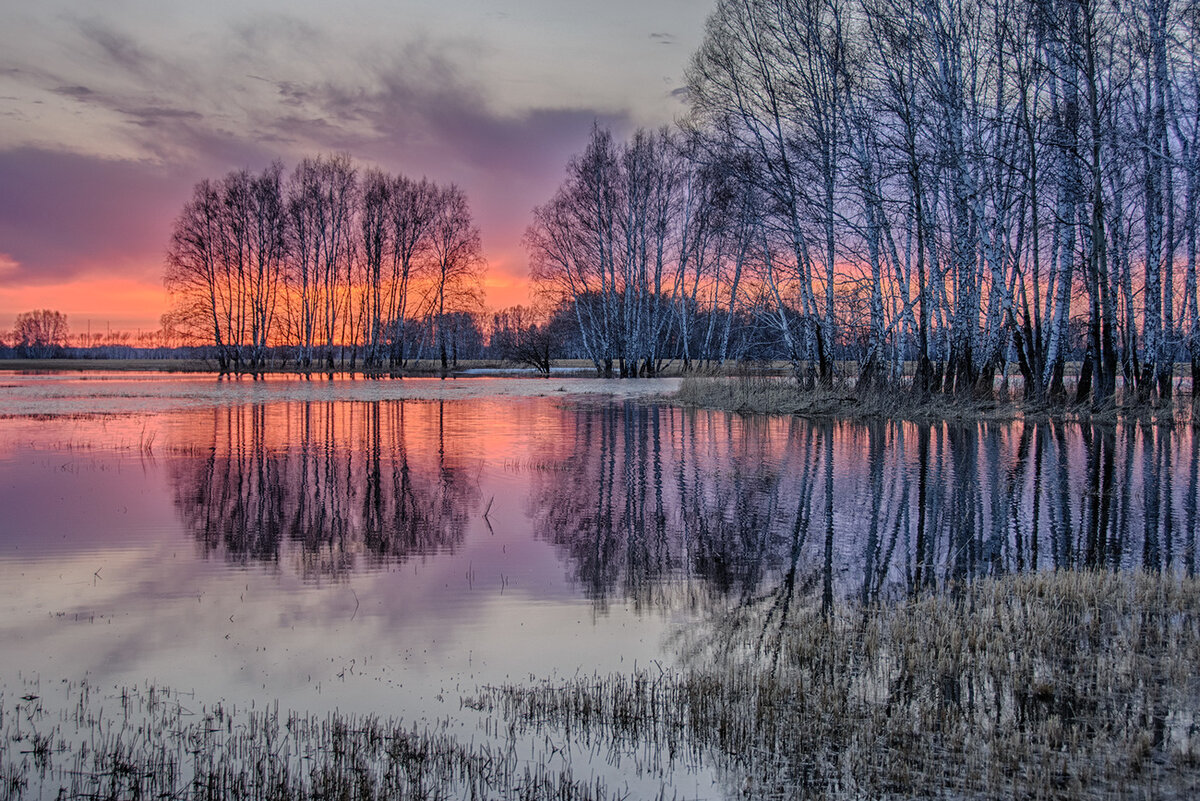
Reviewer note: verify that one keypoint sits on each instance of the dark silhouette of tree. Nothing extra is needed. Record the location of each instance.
(456, 254)
(40, 334)
(521, 335)
(324, 266)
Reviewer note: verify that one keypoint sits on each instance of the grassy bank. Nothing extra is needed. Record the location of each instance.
(768, 395)
(1057, 686)
(1063, 686)
(757, 395)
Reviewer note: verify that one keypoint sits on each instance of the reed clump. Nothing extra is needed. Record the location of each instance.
(1059, 686)
(151, 743)
(781, 395)
(1063, 685)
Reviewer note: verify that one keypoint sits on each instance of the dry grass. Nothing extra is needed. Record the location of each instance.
(1056, 686)
(771, 395)
(775, 395)
(151, 743)
(1070, 685)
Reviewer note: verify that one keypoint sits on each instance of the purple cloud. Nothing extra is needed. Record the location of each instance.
(63, 215)
(417, 111)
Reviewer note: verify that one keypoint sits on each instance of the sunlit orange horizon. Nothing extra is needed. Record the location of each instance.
(95, 304)
(99, 304)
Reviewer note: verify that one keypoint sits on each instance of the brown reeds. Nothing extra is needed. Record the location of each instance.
(1064, 685)
(782, 395)
(1059, 685)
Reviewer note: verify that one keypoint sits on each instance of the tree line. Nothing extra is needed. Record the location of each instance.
(928, 190)
(37, 334)
(327, 264)
(45, 334)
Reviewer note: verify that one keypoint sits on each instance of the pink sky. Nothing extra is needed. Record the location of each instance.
(109, 114)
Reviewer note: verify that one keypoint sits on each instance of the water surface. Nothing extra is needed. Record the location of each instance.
(345, 545)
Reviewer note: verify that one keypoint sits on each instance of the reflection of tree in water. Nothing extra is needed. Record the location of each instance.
(596, 509)
(326, 482)
(759, 511)
(622, 505)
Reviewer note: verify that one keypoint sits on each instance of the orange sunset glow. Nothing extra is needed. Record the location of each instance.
(93, 304)
(108, 119)
(96, 304)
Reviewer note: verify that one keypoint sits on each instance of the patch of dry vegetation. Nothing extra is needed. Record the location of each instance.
(775, 395)
(1066, 685)
(1059, 686)
(148, 744)
(778, 395)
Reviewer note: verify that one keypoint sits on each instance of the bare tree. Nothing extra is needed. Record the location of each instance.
(40, 334)
(376, 243)
(522, 335)
(571, 244)
(268, 241)
(321, 203)
(194, 275)
(412, 212)
(619, 243)
(740, 84)
(456, 252)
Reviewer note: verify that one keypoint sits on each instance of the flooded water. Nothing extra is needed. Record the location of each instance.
(332, 546)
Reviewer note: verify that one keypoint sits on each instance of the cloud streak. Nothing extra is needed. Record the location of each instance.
(63, 215)
(143, 117)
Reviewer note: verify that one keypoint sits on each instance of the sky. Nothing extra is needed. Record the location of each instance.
(111, 111)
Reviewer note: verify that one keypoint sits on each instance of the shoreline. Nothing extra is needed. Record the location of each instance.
(754, 396)
(416, 368)
(746, 394)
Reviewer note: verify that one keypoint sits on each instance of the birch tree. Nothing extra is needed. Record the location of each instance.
(456, 253)
(193, 276)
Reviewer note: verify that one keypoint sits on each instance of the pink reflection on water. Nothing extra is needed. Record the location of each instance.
(330, 546)
(321, 553)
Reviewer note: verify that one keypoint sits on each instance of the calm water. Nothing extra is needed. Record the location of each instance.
(329, 547)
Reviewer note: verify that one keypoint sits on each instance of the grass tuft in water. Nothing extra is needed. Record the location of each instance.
(1063, 686)
(148, 743)
(1067, 685)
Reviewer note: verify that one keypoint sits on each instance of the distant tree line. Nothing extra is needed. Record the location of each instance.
(948, 185)
(38, 334)
(45, 334)
(326, 265)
